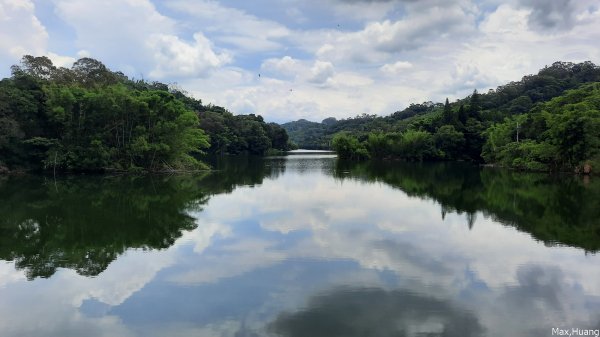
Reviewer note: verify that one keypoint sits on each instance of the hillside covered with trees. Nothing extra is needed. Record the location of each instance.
(547, 121)
(89, 118)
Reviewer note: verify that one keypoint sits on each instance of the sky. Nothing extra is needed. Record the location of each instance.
(311, 59)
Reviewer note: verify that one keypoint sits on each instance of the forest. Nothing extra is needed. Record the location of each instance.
(88, 118)
(544, 122)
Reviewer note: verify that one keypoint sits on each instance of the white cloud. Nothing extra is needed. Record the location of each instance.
(9, 275)
(360, 10)
(505, 20)
(507, 49)
(395, 68)
(350, 80)
(232, 26)
(554, 16)
(56, 303)
(386, 56)
(286, 66)
(83, 53)
(133, 35)
(175, 58)
(21, 32)
(321, 72)
(61, 61)
(379, 39)
(203, 236)
(121, 22)
(296, 15)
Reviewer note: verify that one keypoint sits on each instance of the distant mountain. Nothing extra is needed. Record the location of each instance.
(307, 134)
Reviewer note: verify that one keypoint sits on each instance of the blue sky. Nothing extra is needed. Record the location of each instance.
(315, 58)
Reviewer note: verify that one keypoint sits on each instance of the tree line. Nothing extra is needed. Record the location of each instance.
(89, 118)
(545, 122)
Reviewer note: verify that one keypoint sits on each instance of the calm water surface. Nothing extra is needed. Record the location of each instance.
(301, 246)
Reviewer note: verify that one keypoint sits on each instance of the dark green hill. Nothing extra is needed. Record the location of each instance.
(507, 100)
(547, 121)
(89, 118)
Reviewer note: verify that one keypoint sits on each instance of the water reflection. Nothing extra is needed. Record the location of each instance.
(85, 223)
(377, 312)
(301, 246)
(561, 209)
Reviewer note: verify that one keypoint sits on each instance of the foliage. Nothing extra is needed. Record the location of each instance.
(308, 135)
(348, 147)
(560, 134)
(554, 111)
(449, 142)
(88, 118)
(319, 136)
(417, 145)
(241, 134)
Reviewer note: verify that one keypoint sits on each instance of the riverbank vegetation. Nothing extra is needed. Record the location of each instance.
(545, 122)
(89, 118)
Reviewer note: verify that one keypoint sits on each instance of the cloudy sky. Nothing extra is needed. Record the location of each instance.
(291, 59)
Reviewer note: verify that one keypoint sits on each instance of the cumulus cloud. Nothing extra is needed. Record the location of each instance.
(60, 60)
(232, 26)
(133, 34)
(9, 274)
(286, 66)
(551, 15)
(21, 32)
(321, 72)
(120, 38)
(360, 10)
(395, 68)
(444, 49)
(333, 58)
(380, 39)
(176, 58)
(121, 22)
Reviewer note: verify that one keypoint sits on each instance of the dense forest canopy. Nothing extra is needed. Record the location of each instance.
(241, 134)
(89, 118)
(546, 121)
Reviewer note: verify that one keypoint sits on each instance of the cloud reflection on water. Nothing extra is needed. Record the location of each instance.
(306, 254)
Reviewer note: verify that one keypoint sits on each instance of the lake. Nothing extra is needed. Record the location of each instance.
(302, 245)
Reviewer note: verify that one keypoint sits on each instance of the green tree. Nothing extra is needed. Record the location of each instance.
(462, 115)
(417, 145)
(348, 147)
(475, 105)
(448, 115)
(449, 141)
